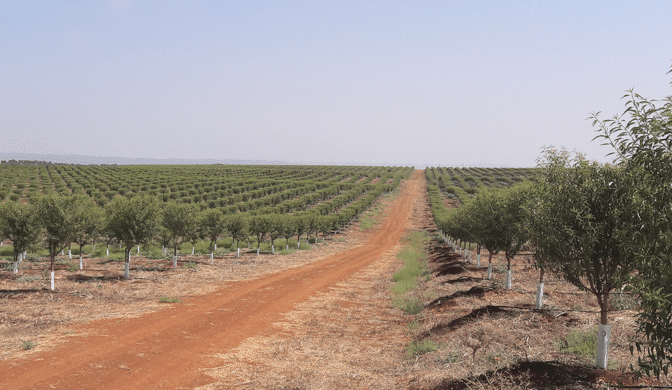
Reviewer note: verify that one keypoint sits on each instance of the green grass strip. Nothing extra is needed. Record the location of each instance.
(413, 256)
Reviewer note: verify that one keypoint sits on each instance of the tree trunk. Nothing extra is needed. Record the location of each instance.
(51, 269)
(127, 263)
(508, 271)
(81, 264)
(490, 266)
(602, 353)
(538, 302)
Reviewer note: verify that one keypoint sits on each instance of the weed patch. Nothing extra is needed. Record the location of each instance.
(27, 344)
(170, 300)
(580, 342)
(190, 265)
(410, 305)
(29, 278)
(417, 348)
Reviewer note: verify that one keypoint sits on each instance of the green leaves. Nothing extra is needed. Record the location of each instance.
(133, 221)
(641, 139)
(20, 223)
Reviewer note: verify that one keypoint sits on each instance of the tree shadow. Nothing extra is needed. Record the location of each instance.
(461, 321)
(463, 279)
(477, 291)
(8, 293)
(534, 374)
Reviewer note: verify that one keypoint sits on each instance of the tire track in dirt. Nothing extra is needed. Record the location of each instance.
(168, 348)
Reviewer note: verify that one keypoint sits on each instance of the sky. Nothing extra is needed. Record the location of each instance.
(422, 83)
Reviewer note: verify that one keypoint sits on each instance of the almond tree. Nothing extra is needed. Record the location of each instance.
(641, 139)
(589, 216)
(180, 220)
(237, 225)
(133, 222)
(87, 222)
(212, 224)
(19, 223)
(300, 226)
(259, 225)
(55, 213)
(289, 228)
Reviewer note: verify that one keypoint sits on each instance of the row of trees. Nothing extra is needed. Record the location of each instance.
(602, 227)
(57, 221)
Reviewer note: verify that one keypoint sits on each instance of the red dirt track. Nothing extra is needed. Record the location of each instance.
(169, 348)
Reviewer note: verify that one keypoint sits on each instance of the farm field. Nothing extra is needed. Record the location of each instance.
(331, 322)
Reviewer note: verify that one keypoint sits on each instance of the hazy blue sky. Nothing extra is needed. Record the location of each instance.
(447, 83)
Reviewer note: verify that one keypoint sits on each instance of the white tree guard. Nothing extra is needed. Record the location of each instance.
(174, 261)
(257, 251)
(238, 254)
(215, 246)
(287, 245)
(16, 267)
(108, 250)
(212, 257)
(62, 253)
(272, 249)
(20, 258)
(478, 260)
(126, 268)
(165, 250)
(540, 296)
(138, 249)
(603, 333)
(508, 280)
(298, 244)
(52, 280)
(192, 250)
(81, 263)
(70, 254)
(490, 271)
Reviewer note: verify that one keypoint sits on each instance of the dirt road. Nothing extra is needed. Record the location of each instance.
(169, 349)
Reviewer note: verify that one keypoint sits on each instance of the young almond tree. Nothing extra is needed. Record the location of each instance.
(88, 220)
(288, 228)
(259, 226)
(19, 223)
(237, 225)
(300, 228)
(212, 224)
(588, 218)
(181, 221)
(132, 222)
(477, 221)
(512, 232)
(56, 213)
(642, 142)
